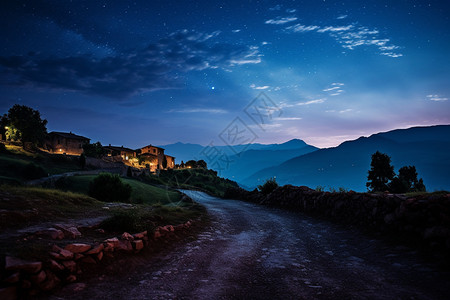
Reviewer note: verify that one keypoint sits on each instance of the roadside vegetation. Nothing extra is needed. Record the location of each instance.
(193, 178)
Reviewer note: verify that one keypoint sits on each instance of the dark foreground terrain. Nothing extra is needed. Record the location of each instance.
(250, 251)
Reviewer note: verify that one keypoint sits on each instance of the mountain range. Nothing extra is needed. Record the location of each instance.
(297, 163)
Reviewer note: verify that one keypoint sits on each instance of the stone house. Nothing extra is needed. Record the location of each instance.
(154, 157)
(65, 143)
(122, 153)
(170, 161)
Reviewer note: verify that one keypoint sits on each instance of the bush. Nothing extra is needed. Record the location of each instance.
(31, 171)
(268, 187)
(3, 148)
(108, 187)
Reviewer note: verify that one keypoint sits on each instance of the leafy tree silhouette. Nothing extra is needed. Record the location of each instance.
(381, 172)
(25, 124)
(407, 181)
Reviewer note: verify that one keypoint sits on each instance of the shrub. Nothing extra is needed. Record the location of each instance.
(3, 148)
(31, 171)
(109, 187)
(268, 187)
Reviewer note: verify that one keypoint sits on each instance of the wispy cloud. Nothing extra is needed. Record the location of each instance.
(436, 98)
(255, 87)
(302, 28)
(287, 119)
(281, 20)
(341, 17)
(235, 30)
(199, 110)
(317, 101)
(291, 10)
(276, 7)
(135, 71)
(345, 111)
(335, 89)
(352, 36)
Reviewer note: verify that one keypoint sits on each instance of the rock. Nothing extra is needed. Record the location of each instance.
(26, 284)
(156, 234)
(77, 248)
(40, 277)
(69, 230)
(125, 246)
(14, 278)
(8, 293)
(113, 242)
(100, 230)
(127, 236)
(56, 248)
(138, 245)
(97, 249)
(70, 265)
(77, 287)
(51, 282)
(140, 235)
(14, 264)
(88, 260)
(54, 266)
(78, 256)
(66, 254)
(53, 233)
(71, 278)
(100, 256)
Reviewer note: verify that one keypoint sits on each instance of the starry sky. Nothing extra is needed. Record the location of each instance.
(138, 72)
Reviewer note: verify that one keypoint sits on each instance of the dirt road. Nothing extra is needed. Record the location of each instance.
(254, 252)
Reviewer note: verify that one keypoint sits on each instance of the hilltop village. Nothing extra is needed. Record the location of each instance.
(148, 158)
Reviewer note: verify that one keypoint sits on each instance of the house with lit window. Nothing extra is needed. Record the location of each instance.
(65, 143)
(153, 158)
(124, 153)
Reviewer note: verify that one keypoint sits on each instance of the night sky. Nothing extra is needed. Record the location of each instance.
(138, 72)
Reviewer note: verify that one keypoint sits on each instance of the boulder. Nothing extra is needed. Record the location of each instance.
(140, 235)
(77, 248)
(65, 254)
(71, 278)
(53, 233)
(156, 234)
(100, 256)
(14, 264)
(97, 249)
(14, 278)
(38, 278)
(8, 293)
(70, 265)
(88, 260)
(138, 245)
(51, 282)
(127, 236)
(69, 231)
(54, 266)
(125, 246)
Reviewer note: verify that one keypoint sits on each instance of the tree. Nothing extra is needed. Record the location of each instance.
(94, 150)
(381, 172)
(406, 181)
(191, 164)
(25, 124)
(268, 187)
(202, 164)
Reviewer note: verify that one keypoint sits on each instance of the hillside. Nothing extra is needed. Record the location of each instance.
(346, 166)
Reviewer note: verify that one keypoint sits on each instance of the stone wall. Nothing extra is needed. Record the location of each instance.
(423, 220)
(24, 279)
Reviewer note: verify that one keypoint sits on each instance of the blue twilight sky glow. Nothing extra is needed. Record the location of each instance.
(138, 72)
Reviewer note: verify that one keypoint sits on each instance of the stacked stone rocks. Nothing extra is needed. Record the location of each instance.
(65, 264)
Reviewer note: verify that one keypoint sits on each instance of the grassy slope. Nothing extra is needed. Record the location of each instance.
(140, 193)
(13, 162)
